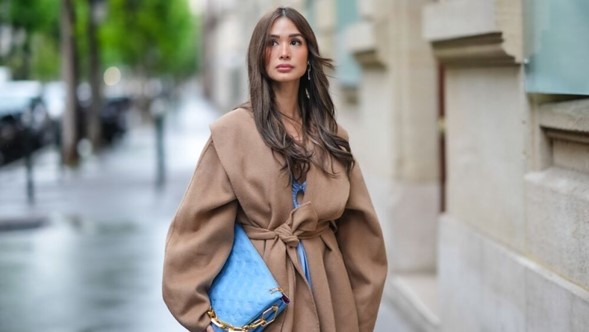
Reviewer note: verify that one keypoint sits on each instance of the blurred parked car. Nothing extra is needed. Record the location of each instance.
(54, 96)
(112, 116)
(22, 108)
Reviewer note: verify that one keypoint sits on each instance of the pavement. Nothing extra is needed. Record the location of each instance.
(86, 255)
(104, 183)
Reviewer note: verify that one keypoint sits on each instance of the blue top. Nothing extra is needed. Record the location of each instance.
(296, 189)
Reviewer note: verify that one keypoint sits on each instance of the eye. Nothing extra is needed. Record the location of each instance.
(296, 42)
(272, 42)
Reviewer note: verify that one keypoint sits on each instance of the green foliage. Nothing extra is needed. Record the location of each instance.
(34, 15)
(153, 37)
(36, 21)
(81, 10)
(45, 58)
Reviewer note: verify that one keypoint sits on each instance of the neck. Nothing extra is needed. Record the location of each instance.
(287, 99)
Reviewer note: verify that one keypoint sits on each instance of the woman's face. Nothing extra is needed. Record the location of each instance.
(286, 52)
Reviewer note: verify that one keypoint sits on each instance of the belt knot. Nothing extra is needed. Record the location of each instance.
(301, 224)
(284, 232)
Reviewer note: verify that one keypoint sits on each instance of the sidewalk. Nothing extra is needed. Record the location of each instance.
(120, 181)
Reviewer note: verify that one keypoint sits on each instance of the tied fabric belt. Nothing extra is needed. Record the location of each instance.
(301, 224)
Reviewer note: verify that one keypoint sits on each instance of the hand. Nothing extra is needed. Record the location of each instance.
(209, 329)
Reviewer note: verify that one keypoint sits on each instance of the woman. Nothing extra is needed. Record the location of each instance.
(281, 166)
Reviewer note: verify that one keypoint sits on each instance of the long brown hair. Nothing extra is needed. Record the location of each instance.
(317, 112)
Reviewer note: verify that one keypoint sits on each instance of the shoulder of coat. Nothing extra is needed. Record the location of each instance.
(233, 120)
(234, 131)
(235, 138)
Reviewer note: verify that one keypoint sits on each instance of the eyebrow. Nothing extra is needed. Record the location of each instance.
(291, 35)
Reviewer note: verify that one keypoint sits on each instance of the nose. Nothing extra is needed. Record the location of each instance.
(284, 51)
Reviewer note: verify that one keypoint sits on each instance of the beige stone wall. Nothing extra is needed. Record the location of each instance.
(397, 120)
(557, 203)
(511, 257)
(486, 128)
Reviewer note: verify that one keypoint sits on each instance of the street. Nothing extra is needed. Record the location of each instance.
(94, 262)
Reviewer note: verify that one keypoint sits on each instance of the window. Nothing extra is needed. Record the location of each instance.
(347, 69)
(556, 47)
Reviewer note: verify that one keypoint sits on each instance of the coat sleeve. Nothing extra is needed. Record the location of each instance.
(199, 241)
(361, 242)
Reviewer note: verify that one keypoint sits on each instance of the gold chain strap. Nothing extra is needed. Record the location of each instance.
(257, 323)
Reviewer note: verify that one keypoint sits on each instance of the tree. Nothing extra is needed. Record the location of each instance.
(35, 30)
(94, 126)
(152, 37)
(70, 120)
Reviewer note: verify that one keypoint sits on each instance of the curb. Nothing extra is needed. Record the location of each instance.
(22, 223)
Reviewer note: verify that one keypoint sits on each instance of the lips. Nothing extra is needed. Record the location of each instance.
(284, 68)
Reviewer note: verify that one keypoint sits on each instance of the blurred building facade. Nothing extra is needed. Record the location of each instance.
(481, 186)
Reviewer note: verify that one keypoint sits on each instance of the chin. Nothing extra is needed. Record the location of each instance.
(285, 78)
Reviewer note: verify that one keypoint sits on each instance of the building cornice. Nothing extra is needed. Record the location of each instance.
(475, 33)
(480, 50)
(366, 40)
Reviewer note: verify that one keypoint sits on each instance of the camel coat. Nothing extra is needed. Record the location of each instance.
(238, 178)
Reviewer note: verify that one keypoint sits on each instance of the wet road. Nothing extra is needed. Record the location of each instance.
(96, 264)
(71, 276)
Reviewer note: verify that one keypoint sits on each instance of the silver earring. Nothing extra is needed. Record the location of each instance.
(308, 71)
(307, 92)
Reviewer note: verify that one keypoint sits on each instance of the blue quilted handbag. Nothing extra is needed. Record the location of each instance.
(244, 295)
